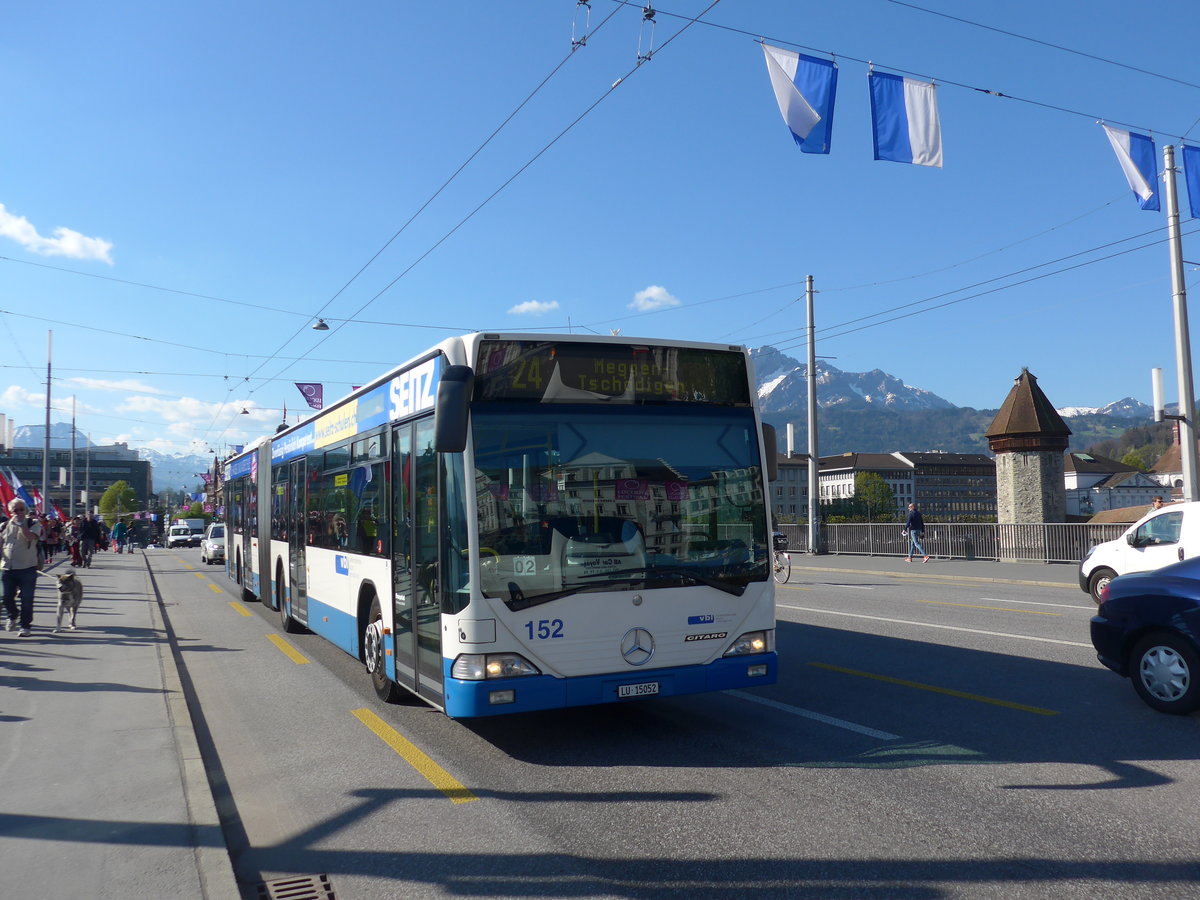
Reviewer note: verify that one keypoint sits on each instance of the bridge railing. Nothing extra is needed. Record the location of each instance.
(1049, 542)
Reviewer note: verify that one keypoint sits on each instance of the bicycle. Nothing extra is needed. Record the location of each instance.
(781, 564)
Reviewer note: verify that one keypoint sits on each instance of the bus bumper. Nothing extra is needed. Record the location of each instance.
(466, 699)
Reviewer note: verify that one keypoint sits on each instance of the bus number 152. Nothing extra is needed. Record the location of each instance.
(544, 629)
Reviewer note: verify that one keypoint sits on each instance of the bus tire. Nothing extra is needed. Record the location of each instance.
(374, 656)
(286, 622)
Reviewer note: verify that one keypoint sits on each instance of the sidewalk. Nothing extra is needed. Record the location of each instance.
(105, 794)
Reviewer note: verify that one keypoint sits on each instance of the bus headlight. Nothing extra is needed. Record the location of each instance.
(481, 666)
(752, 642)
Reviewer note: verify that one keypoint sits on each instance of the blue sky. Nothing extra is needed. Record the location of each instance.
(185, 187)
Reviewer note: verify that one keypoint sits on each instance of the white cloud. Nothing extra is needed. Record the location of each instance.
(128, 384)
(65, 242)
(652, 298)
(188, 419)
(18, 396)
(533, 308)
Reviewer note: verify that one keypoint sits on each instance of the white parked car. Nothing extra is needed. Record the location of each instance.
(212, 547)
(1157, 539)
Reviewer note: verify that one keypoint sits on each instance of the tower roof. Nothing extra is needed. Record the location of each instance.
(1027, 420)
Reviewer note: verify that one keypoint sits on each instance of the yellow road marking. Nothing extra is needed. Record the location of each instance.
(214, 588)
(288, 650)
(239, 609)
(198, 574)
(1036, 710)
(433, 773)
(1032, 612)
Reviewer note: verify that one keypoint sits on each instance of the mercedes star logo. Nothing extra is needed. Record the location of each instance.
(637, 646)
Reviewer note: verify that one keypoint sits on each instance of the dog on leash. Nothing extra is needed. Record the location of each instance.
(70, 595)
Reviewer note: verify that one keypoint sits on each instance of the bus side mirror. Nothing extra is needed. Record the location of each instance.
(771, 448)
(453, 405)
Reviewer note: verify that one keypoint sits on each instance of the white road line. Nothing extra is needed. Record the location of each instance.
(1078, 606)
(1018, 637)
(816, 716)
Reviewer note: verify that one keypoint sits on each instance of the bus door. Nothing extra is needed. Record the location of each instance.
(418, 618)
(402, 596)
(298, 538)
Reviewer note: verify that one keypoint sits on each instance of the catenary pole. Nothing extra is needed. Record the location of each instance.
(814, 460)
(71, 489)
(1183, 348)
(46, 440)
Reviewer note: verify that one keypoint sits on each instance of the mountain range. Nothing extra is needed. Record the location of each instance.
(875, 412)
(866, 412)
(167, 470)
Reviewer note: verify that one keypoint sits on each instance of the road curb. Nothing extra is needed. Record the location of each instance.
(215, 868)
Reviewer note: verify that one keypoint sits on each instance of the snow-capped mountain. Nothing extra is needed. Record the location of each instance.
(1128, 408)
(60, 436)
(176, 471)
(782, 387)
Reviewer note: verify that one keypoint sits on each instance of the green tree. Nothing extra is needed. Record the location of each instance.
(1136, 459)
(119, 499)
(875, 496)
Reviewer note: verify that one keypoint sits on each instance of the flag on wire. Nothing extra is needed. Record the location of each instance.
(904, 120)
(805, 87)
(1135, 153)
(1191, 174)
(20, 491)
(312, 392)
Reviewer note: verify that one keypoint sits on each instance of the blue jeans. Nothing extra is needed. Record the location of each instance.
(24, 580)
(914, 539)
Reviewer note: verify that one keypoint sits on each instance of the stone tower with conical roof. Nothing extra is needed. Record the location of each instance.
(1029, 439)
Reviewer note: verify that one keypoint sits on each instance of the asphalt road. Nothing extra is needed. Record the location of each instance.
(929, 738)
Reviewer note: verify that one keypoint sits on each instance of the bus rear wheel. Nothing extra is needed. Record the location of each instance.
(286, 622)
(374, 656)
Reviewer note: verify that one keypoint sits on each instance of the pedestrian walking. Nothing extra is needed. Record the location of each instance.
(19, 564)
(915, 527)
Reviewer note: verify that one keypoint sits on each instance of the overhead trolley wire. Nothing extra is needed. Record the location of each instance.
(575, 45)
(514, 176)
(1033, 40)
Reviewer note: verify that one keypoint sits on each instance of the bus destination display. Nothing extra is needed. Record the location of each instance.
(550, 372)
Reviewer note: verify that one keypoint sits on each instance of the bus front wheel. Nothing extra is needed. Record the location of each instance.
(374, 656)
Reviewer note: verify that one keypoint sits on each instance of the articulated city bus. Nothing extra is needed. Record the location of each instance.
(513, 522)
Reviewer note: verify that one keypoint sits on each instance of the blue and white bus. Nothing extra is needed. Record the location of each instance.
(514, 522)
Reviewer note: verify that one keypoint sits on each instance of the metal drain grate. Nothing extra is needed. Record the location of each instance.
(306, 887)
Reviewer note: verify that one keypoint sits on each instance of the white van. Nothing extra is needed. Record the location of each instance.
(1159, 538)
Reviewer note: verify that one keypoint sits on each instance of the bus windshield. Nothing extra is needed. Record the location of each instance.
(574, 499)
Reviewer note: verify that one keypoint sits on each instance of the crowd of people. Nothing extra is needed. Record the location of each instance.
(29, 541)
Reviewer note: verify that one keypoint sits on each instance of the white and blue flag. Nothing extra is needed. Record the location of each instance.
(1191, 173)
(1135, 153)
(904, 120)
(805, 87)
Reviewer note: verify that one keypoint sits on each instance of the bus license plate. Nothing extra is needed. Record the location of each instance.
(645, 689)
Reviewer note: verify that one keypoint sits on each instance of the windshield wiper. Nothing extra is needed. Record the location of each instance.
(655, 572)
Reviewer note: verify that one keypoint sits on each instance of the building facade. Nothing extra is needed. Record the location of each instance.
(96, 470)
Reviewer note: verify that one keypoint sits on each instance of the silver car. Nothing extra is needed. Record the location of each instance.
(212, 547)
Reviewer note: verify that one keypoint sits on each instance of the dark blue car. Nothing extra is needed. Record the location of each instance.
(1148, 629)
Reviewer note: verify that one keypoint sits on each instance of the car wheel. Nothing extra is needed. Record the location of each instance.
(1099, 581)
(1165, 669)
(374, 656)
